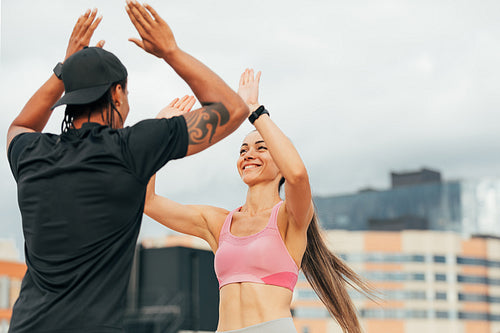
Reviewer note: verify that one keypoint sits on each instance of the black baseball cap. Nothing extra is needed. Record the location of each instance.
(88, 74)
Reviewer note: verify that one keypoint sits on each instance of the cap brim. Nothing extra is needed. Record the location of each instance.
(83, 96)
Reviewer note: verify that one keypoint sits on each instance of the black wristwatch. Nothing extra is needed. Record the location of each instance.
(257, 113)
(58, 70)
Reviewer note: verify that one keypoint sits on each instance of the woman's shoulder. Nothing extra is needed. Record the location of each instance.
(212, 214)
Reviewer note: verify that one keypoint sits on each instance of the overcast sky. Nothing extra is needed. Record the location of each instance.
(361, 87)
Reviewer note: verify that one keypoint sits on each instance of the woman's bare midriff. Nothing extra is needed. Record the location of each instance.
(246, 303)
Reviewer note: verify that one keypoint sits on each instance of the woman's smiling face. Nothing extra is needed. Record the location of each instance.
(255, 163)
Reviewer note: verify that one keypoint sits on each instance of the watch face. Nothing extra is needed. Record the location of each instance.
(58, 70)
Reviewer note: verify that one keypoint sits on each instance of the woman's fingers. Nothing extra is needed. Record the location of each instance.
(171, 104)
(189, 106)
(187, 103)
(257, 77)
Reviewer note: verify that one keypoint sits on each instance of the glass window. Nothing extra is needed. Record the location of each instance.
(306, 294)
(472, 279)
(419, 276)
(383, 257)
(440, 259)
(417, 258)
(494, 282)
(402, 294)
(472, 297)
(495, 264)
(393, 313)
(393, 276)
(494, 299)
(442, 314)
(441, 295)
(311, 312)
(473, 315)
(440, 277)
(4, 292)
(472, 261)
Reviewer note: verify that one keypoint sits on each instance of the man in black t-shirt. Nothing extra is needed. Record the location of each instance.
(81, 193)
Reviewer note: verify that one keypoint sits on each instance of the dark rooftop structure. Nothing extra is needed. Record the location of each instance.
(423, 176)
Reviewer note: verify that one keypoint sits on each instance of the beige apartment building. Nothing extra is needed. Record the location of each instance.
(11, 275)
(427, 281)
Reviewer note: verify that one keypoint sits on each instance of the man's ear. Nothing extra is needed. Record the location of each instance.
(117, 94)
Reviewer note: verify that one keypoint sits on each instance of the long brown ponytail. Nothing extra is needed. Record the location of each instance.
(330, 276)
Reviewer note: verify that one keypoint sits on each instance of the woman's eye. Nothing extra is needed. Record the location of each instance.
(262, 148)
(242, 151)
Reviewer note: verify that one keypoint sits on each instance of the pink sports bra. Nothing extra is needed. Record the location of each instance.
(261, 257)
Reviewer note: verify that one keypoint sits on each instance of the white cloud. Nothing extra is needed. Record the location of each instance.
(361, 87)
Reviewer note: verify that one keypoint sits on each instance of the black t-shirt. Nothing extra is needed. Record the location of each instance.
(81, 196)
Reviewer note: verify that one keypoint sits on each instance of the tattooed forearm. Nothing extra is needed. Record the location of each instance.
(204, 123)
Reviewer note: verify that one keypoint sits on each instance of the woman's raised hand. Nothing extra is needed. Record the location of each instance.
(249, 89)
(83, 31)
(157, 37)
(177, 107)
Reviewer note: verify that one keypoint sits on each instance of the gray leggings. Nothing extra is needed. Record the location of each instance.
(281, 325)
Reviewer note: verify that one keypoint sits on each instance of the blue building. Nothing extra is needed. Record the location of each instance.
(418, 201)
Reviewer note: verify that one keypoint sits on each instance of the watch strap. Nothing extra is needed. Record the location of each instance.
(58, 70)
(257, 113)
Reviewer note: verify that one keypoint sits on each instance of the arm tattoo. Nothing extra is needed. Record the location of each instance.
(205, 122)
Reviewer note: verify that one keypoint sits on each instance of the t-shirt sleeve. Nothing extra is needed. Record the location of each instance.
(16, 147)
(151, 143)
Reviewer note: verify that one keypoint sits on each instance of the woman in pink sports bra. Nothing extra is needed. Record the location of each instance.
(260, 246)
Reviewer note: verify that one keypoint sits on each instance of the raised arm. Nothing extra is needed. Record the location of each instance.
(298, 196)
(223, 110)
(37, 111)
(195, 220)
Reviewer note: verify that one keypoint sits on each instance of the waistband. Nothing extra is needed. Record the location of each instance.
(281, 325)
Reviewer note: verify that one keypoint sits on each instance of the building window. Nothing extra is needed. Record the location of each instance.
(394, 313)
(473, 315)
(440, 277)
(478, 262)
(306, 294)
(472, 261)
(402, 294)
(442, 296)
(4, 292)
(472, 279)
(393, 276)
(310, 312)
(440, 259)
(494, 299)
(383, 257)
(442, 314)
(472, 297)
(419, 276)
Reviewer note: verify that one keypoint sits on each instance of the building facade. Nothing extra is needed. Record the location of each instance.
(11, 274)
(427, 281)
(466, 207)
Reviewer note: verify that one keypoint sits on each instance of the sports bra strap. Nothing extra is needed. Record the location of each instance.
(273, 220)
(227, 222)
